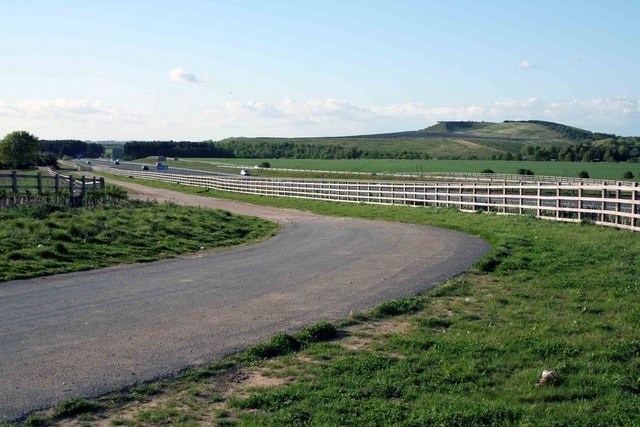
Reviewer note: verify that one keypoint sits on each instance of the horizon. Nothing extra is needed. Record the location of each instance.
(212, 70)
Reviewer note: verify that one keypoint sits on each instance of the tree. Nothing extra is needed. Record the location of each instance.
(19, 150)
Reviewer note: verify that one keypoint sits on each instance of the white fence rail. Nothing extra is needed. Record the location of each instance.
(439, 176)
(614, 205)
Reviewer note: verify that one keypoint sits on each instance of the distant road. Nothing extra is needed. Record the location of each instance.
(85, 334)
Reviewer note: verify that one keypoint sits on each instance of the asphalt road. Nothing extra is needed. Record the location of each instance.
(85, 334)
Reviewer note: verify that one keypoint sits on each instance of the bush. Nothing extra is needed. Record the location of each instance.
(322, 331)
(279, 345)
(628, 175)
(398, 307)
(487, 171)
(525, 172)
(583, 174)
(264, 165)
(75, 407)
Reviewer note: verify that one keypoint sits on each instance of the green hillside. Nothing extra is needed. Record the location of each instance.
(450, 140)
(444, 140)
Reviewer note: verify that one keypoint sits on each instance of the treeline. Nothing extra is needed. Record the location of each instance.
(616, 149)
(239, 148)
(619, 149)
(304, 150)
(139, 149)
(71, 148)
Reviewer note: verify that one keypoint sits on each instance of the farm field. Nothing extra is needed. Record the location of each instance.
(469, 352)
(603, 170)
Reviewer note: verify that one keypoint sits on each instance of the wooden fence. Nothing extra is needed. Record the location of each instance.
(439, 176)
(15, 182)
(22, 188)
(614, 205)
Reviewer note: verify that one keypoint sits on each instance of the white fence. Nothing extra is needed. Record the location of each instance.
(614, 205)
(440, 176)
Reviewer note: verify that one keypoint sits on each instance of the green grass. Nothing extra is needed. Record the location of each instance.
(42, 240)
(601, 170)
(554, 296)
(532, 131)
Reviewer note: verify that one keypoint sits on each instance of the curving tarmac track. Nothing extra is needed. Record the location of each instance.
(85, 334)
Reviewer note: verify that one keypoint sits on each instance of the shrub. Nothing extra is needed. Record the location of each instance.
(397, 307)
(525, 172)
(487, 171)
(322, 331)
(279, 345)
(264, 165)
(583, 174)
(74, 407)
(628, 175)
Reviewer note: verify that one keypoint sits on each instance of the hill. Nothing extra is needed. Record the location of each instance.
(445, 140)
(454, 140)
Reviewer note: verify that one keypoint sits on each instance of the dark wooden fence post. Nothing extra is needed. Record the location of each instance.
(39, 182)
(71, 201)
(14, 181)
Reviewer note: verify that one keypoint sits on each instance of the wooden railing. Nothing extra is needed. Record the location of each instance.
(39, 183)
(439, 176)
(609, 204)
(27, 189)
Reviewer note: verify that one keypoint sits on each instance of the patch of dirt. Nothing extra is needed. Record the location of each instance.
(360, 337)
(474, 145)
(253, 379)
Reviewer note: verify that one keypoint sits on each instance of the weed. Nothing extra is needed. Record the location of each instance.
(398, 307)
(74, 407)
(279, 345)
(322, 331)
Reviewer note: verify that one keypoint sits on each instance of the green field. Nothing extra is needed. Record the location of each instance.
(549, 296)
(602, 170)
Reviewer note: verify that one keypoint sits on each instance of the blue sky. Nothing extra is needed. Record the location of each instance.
(197, 70)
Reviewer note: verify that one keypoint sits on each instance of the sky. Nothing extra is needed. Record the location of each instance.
(207, 69)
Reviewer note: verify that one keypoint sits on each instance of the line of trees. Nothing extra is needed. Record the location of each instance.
(619, 149)
(304, 150)
(71, 148)
(139, 149)
(239, 148)
(21, 150)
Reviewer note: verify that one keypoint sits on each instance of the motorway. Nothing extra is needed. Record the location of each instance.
(85, 334)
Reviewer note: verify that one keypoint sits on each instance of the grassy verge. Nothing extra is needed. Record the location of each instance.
(46, 239)
(549, 296)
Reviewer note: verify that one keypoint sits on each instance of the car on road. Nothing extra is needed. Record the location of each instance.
(145, 167)
(245, 172)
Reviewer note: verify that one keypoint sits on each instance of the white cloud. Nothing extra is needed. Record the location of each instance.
(178, 74)
(526, 65)
(317, 117)
(90, 119)
(61, 108)
(64, 118)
